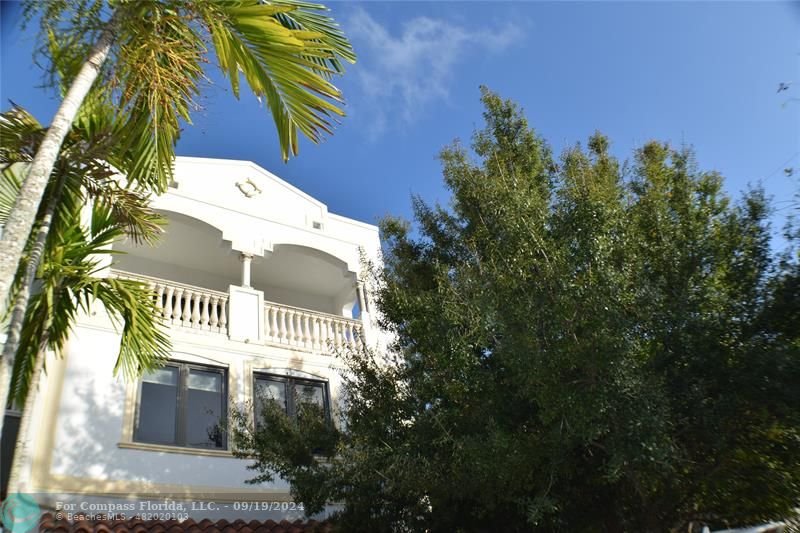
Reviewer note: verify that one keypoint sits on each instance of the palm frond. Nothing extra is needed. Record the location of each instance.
(20, 135)
(11, 176)
(311, 17)
(144, 345)
(287, 52)
(159, 65)
(128, 209)
(70, 285)
(67, 274)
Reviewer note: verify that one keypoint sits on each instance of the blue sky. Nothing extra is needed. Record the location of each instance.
(703, 74)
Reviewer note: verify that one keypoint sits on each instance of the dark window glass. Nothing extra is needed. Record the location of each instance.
(204, 405)
(290, 393)
(309, 393)
(158, 407)
(268, 390)
(183, 405)
(7, 442)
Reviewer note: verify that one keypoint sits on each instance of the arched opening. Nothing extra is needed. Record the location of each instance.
(193, 252)
(300, 276)
(190, 252)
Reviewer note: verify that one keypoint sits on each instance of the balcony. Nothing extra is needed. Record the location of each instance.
(291, 295)
(207, 310)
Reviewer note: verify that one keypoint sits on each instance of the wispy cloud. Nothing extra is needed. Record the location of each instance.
(401, 76)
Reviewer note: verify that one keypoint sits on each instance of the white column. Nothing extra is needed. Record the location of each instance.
(245, 259)
(362, 301)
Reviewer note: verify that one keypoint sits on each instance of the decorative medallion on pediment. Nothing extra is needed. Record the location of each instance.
(248, 188)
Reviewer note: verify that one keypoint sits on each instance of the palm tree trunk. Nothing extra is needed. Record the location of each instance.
(21, 448)
(21, 299)
(23, 215)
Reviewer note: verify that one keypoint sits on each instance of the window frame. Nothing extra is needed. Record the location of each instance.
(181, 403)
(287, 380)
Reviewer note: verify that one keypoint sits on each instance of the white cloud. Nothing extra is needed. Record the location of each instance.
(403, 75)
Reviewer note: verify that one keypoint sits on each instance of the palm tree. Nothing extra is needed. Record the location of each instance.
(85, 171)
(148, 56)
(68, 275)
(68, 283)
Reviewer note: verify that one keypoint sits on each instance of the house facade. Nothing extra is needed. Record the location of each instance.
(258, 285)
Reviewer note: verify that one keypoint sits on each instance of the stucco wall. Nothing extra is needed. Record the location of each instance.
(89, 423)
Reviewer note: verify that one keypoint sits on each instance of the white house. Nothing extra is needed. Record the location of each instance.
(256, 281)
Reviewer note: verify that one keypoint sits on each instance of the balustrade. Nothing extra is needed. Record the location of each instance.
(188, 306)
(308, 329)
(207, 310)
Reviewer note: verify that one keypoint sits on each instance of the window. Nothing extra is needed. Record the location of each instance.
(182, 404)
(290, 393)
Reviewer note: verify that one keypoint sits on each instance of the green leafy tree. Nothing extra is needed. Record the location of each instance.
(148, 56)
(579, 345)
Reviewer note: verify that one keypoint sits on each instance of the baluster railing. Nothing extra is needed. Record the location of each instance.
(191, 307)
(311, 330)
(159, 290)
(282, 336)
(168, 303)
(326, 333)
(207, 310)
(267, 322)
(273, 329)
(290, 319)
(316, 332)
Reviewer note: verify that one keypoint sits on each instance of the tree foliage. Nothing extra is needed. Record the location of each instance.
(67, 280)
(579, 345)
(287, 50)
(69, 284)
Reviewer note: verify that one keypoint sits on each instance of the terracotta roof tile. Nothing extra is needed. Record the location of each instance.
(51, 524)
